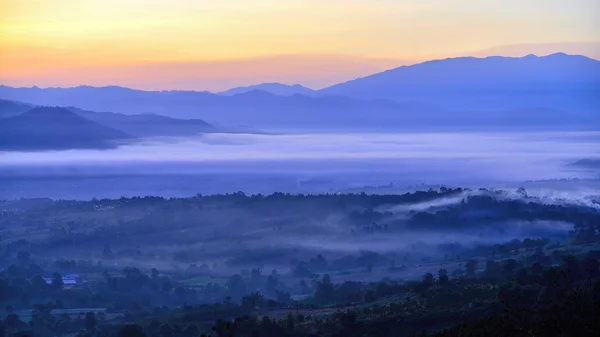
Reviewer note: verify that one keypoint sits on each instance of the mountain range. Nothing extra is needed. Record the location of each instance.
(10, 108)
(148, 125)
(554, 91)
(28, 127)
(272, 88)
(569, 82)
(55, 128)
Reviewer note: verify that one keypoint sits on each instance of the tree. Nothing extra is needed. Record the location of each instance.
(57, 281)
(428, 280)
(90, 321)
(443, 276)
(39, 284)
(325, 290)
(522, 277)
(509, 268)
(24, 259)
(470, 267)
(301, 270)
(570, 263)
(369, 296)
(537, 268)
(154, 273)
(349, 323)
(6, 291)
(589, 266)
(166, 330)
(13, 321)
(131, 330)
(290, 322)
(191, 331)
(167, 286)
(256, 276)
(283, 296)
(236, 285)
(180, 292)
(272, 281)
(252, 301)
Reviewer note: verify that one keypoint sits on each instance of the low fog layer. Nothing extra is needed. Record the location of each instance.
(220, 163)
(532, 146)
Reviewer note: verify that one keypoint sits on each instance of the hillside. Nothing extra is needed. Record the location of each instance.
(260, 109)
(11, 108)
(53, 128)
(148, 125)
(140, 125)
(560, 81)
(555, 91)
(272, 88)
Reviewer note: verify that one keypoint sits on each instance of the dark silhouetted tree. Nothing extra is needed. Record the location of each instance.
(470, 267)
(131, 330)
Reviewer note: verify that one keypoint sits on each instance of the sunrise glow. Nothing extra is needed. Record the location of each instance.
(215, 45)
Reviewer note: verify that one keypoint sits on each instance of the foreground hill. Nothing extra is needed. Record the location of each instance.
(559, 81)
(488, 263)
(54, 128)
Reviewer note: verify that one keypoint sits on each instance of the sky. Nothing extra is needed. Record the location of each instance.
(216, 45)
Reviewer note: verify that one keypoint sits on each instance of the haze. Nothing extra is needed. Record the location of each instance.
(299, 168)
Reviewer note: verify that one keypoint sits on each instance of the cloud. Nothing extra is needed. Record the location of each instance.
(434, 157)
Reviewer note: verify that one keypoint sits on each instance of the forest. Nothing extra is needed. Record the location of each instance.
(440, 262)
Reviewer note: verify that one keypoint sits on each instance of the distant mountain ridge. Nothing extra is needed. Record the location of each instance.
(55, 128)
(12, 108)
(255, 108)
(147, 125)
(139, 125)
(272, 88)
(558, 90)
(558, 81)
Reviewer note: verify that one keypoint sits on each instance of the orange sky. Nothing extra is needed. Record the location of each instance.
(214, 45)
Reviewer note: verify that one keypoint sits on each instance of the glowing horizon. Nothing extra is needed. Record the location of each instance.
(201, 45)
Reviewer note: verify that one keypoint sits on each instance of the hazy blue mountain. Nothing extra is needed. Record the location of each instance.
(552, 91)
(54, 128)
(12, 108)
(272, 88)
(148, 125)
(255, 108)
(591, 163)
(560, 81)
(138, 125)
(261, 109)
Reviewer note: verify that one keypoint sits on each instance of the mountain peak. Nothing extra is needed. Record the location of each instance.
(481, 83)
(45, 111)
(273, 88)
(560, 54)
(54, 116)
(43, 128)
